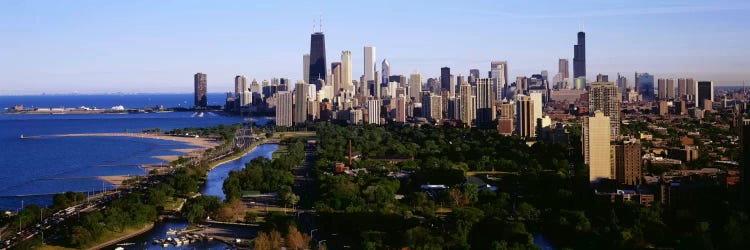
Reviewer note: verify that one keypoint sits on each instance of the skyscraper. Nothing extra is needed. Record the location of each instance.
(445, 79)
(240, 85)
(622, 83)
(579, 56)
(670, 89)
(536, 97)
(346, 71)
(596, 146)
(681, 88)
(525, 116)
(415, 86)
(336, 72)
(317, 58)
(499, 75)
(301, 90)
(284, 111)
(628, 169)
(605, 97)
(691, 88)
(473, 76)
(200, 82)
(563, 69)
(505, 122)
(705, 92)
(661, 85)
(385, 71)
(646, 86)
(465, 105)
(485, 102)
(369, 64)
(400, 109)
(373, 111)
(306, 68)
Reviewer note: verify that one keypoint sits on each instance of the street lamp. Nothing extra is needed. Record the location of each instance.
(320, 243)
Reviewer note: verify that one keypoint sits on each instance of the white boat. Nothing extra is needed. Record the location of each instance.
(171, 231)
(119, 248)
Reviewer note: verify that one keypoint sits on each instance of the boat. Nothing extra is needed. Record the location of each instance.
(120, 248)
(171, 231)
(165, 244)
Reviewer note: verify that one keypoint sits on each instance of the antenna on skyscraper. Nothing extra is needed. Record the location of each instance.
(321, 23)
(313, 31)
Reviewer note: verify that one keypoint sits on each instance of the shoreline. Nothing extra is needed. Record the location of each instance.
(124, 237)
(203, 144)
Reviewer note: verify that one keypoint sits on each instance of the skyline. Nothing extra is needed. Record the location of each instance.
(54, 47)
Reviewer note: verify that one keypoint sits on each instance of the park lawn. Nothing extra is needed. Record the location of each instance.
(173, 204)
(109, 235)
(284, 135)
(52, 247)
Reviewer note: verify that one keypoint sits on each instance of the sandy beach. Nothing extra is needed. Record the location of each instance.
(117, 180)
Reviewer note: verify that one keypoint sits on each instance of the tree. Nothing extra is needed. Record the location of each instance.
(296, 240)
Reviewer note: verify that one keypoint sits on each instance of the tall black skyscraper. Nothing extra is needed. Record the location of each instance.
(317, 58)
(579, 56)
(445, 78)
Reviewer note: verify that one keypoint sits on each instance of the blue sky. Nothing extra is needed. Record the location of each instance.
(157, 46)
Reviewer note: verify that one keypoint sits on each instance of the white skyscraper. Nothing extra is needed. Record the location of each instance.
(240, 85)
(346, 71)
(536, 97)
(306, 68)
(596, 146)
(373, 111)
(369, 63)
(385, 70)
(415, 86)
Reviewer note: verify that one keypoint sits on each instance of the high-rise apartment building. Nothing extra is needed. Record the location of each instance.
(670, 89)
(579, 56)
(336, 72)
(681, 88)
(415, 86)
(369, 64)
(400, 109)
(318, 59)
(284, 108)
(525, 123)
(628, 169)
(607, 98)
(465, 104)
(705, 92)
(373, 111)
(505, 123)
(596, 146)
(485, 102)
(301, 95)
(201, 88)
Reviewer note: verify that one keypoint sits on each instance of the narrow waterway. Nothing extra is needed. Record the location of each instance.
(216, 177)
(213, 186)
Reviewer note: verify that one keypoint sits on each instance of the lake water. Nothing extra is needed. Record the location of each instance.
(216, 177)
(31, 170)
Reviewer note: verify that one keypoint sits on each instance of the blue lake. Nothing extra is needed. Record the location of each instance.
(31, 170)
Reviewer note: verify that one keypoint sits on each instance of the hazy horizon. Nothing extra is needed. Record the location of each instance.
(93, 47)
